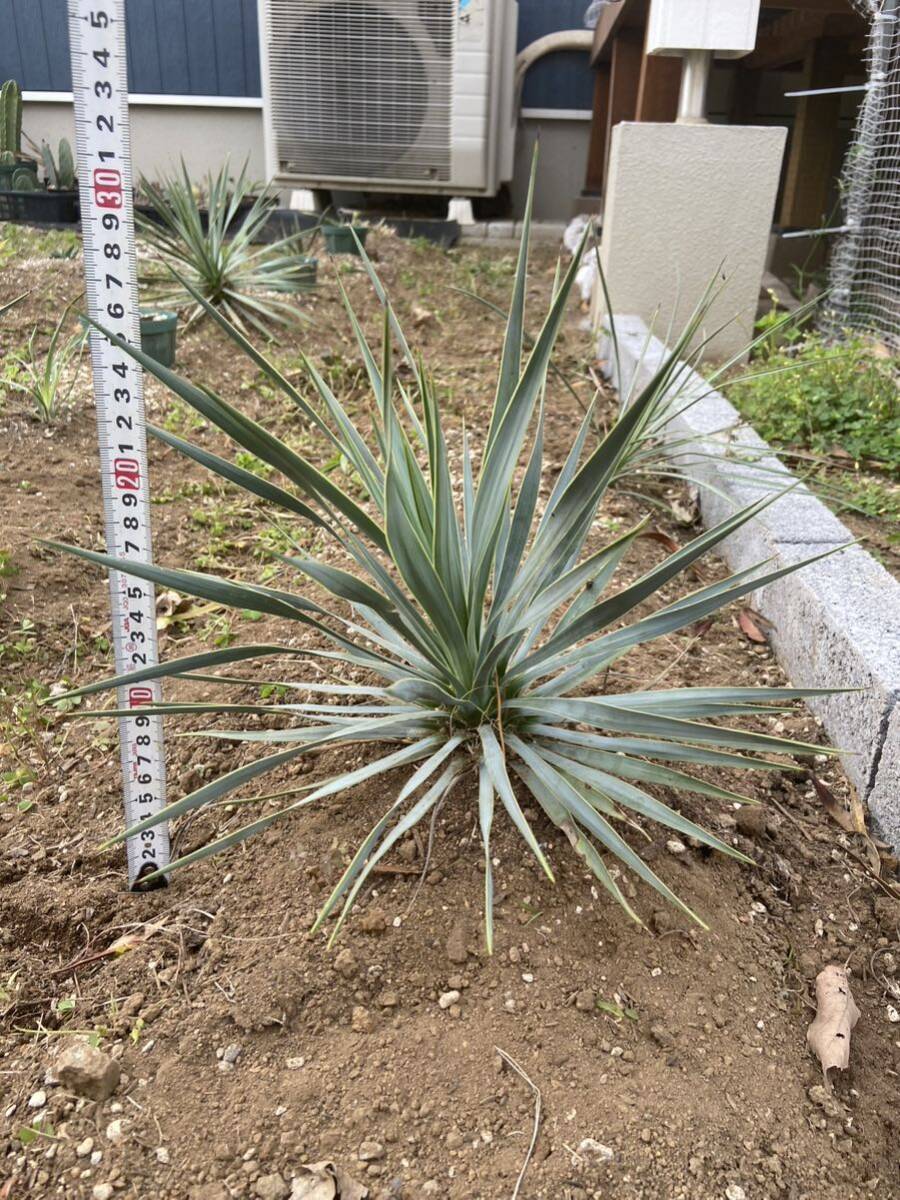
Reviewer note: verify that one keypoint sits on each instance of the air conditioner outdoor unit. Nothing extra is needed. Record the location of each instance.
(389, 95)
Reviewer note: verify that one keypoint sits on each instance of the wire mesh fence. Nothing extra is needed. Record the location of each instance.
(865, 264)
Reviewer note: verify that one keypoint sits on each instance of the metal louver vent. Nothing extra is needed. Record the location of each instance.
(362, 89)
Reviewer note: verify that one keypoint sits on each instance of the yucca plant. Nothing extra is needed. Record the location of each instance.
(479, 615)
(216, 259)
(47, 379)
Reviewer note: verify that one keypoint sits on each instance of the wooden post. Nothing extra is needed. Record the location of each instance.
(812, 154)
(596, 167)
(627, 54)
(658, 88)
(615, 100)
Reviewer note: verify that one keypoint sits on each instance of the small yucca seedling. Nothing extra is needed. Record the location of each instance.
(217, 260)
(48, 379)
(478, 618)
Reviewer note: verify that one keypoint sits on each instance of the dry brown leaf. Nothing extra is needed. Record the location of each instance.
(833, 806)
(326, 1181)
(686, 508)
(851, 820)
(128, 941)
(749, 627)
(836, 1014)
(421, 315)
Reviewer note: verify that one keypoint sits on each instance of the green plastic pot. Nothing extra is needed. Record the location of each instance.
(158, 328)
(308, 269)
(339, 238)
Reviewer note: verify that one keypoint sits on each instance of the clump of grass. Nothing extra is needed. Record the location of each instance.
(479, 617)
(843, 395)
(215, 256)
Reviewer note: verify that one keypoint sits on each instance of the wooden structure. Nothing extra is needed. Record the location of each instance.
(821, 41)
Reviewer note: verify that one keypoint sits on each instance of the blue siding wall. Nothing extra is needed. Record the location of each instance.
(211, 48)
(563, 79)
(175, 47)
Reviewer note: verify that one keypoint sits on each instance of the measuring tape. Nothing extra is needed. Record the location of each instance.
(103, 137)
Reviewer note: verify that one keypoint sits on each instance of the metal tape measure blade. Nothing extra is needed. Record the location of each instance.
(100, 91)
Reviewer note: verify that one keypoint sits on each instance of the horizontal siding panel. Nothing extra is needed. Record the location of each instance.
(563, 79)
(175, 47)
(211, 48)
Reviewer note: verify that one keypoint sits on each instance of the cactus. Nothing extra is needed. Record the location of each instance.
(49, 165)
(24, 180)
(61, 171)
(66, 171)
(10, 121)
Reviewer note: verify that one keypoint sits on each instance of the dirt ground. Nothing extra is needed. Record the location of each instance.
(247, 1048)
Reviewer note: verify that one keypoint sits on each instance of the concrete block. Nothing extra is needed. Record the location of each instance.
(884, 797)
(500, 229)
(473, 233)
(837, 624)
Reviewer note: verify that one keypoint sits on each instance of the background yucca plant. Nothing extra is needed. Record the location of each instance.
(478, 618)
(215, 257)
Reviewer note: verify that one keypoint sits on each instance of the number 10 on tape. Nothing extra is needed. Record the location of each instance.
(100, 90)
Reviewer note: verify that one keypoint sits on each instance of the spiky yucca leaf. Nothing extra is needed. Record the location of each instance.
(477, 617)
(219, 259)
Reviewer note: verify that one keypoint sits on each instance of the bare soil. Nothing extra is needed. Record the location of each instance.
(247, 1047)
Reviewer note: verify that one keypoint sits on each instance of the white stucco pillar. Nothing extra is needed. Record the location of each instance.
(686, 200)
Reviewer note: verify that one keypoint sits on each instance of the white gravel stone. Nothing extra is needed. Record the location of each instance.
(446, 999)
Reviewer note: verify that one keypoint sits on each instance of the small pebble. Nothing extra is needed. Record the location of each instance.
(83, 1149)
(446, 999)
(590, 1148)
(231, 1053)
(735, 1192)
(37, 1100)
(370, 1152)
(102, 1191)
(162, 1155)
(294, 1064)
(674, 846)
(114, 1132)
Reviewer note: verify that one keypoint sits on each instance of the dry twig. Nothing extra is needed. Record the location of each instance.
(537, 1116)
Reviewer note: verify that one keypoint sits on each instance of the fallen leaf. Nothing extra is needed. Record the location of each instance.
(836, 1014)
(686, 508)
(326, 1181)
(850, 820)
(420, 315)
(750, 629)
(666, 539)
(128, 941)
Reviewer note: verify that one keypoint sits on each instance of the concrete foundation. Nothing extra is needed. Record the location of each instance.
(203, 134)
(835, 623)
(164, 134)
(685, 204)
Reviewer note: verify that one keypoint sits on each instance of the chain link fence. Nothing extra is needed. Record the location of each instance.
(865, 264)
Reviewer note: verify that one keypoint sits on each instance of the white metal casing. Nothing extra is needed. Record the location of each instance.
(389, 95)
(726, 27)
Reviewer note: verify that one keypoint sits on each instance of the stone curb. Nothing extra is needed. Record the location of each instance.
(835, 623)
(511, 231)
